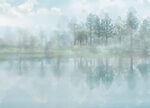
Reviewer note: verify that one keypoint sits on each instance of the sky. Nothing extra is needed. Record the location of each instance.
(50, 14)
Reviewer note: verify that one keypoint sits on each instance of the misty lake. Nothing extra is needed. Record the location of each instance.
(109, 82)
(74, 54)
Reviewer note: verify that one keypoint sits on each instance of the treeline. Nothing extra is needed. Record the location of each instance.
(93, 31)
(103, 30)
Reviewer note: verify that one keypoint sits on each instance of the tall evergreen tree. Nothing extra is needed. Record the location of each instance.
(107, 28)
(132, 25)
(97, 28)
(90, 25)
(120, 29)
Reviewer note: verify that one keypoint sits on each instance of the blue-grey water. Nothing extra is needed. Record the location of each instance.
(75, 83)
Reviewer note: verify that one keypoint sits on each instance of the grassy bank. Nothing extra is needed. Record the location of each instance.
(74, 51)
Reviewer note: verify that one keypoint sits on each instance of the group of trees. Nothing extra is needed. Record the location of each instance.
(96, 30)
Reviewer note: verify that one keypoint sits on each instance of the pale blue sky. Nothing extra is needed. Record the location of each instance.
(47, 13)
(43, 3)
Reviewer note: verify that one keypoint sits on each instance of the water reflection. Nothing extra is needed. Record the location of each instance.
(79, 82)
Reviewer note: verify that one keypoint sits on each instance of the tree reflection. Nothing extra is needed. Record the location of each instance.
(144, 69)
(56, 67)
(97, 71)
(94, 72)
(131, 74)
(20, 66)
(42, 69)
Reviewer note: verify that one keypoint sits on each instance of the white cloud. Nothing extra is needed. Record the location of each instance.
(28, 5)
(42, 11)
(148, 0)
(54, 9)
(6, 21)
(115, 8)
(81, 8)
(140, 1)
(25, 15)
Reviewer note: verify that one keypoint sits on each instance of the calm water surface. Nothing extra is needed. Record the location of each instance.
(75, 83)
